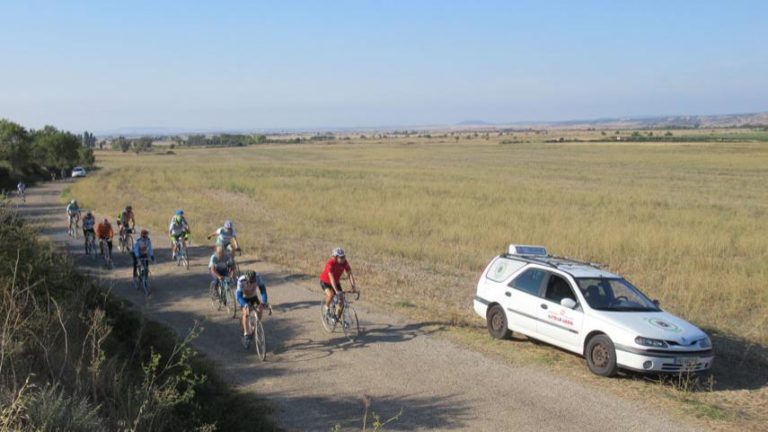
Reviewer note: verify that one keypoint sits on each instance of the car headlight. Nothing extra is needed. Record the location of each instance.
(705, 343)
(655, 343)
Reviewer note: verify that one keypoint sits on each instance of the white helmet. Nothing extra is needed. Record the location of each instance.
(228, 224)
(338, 252)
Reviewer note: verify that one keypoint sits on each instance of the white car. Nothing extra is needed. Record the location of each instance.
(78, 172)
(581, 308)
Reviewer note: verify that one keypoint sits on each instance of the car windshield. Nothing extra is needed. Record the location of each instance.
(614, 295)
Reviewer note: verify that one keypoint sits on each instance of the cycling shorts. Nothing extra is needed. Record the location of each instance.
(327, 286)
(245, 301)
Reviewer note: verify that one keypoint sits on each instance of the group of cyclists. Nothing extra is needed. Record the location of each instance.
(251, 289)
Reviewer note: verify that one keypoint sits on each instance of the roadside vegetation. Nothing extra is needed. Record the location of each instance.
(73, 358)
(32, 155)
(421, 216)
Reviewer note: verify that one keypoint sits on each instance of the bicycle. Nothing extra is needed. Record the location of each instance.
(22, 196)
(74, 229)
(141, 281)
(125, 242)
(222, 295)
(106, 255)
(181, 253)
(343, 313)
(90, 244)
(258, 335)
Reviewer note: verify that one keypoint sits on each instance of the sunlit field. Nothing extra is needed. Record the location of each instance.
(420, 218)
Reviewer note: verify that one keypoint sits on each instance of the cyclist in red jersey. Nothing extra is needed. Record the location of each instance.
(331, 275)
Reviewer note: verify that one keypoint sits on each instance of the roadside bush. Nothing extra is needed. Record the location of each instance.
(72, 358)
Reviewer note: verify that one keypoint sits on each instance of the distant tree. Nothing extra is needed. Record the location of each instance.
(55, 148)
(668, 134)
(89, 140)
(121, 144)
(143, 144)
(15, 145)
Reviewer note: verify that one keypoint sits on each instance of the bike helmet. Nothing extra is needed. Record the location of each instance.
(106, 220)
(88, 213)
(228, 224)
(250, 275)
(73, 202)
(179, 212)
(128, 208)
(338, 252)
(144, 232)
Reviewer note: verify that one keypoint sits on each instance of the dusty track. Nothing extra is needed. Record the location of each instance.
(315, 379)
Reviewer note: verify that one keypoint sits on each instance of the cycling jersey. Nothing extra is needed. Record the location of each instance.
(222, 265)
(336, 269)
(242, 284)
(177, 229)
(124, 217)
(72, 209)
(143, 247)
(89, 223)
(105, 231)
(225, 235)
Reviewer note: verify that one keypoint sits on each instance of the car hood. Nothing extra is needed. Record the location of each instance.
(656, 325)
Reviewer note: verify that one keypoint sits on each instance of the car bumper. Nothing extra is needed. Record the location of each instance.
(668, 362)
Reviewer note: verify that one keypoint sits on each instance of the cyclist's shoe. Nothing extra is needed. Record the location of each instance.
(246, 341)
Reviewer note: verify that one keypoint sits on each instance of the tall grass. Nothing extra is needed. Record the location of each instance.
(420, 219)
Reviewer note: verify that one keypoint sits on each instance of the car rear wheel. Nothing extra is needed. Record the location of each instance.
(497, 322)
(601, 356)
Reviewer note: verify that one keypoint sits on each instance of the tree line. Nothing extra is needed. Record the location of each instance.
(29, 155)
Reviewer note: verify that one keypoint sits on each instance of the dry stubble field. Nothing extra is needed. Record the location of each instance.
(420, 218)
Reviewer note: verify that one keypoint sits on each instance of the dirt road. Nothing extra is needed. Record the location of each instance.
(316, 380)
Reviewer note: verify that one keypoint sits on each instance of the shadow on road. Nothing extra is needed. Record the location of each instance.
(415, 411)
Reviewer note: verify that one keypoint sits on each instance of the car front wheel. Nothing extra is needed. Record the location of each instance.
(601, 356)
(497, 322)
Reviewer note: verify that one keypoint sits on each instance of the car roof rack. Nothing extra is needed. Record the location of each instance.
(554, 261)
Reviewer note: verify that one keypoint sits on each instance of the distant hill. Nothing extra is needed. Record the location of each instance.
(474, 123)
(666, 122)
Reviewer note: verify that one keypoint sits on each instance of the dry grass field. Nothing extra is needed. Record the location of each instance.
(420, 218)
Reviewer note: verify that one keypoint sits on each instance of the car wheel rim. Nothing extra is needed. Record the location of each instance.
(600, 356)
(496, 322)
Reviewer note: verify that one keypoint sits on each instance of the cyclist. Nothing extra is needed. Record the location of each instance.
(89, 223)
(221, 265)
(104, 232)
(226, 236)
(125, 221)
(142, 248)
(73, 212)
(249, 286)
(21, 187)
(331, 275)
(178, 229)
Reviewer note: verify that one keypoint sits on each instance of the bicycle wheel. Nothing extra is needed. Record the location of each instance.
(349, 323)
(232, 301)
(328, 323)
(260, 338)
(145, 281)
(184, 257)
(129, 243)
(215, 296)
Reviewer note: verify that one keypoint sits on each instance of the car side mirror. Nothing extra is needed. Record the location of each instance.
(656, 302)
(568, 302)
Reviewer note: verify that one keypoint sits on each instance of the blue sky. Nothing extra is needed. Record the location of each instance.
(102, 65)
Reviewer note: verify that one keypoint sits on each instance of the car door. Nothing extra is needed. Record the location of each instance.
(523, 298)
(558, 324)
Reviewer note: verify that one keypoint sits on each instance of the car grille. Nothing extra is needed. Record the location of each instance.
(671, 367)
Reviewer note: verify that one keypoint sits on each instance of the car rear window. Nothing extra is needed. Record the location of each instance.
(502, 268)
